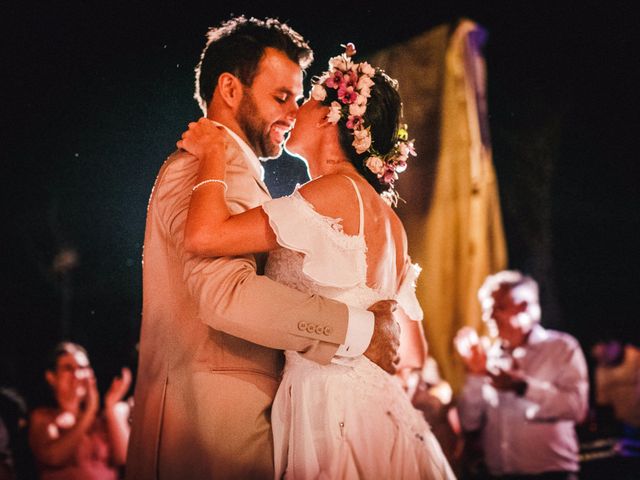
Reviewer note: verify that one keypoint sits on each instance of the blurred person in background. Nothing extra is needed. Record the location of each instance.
(617, 382)
(16, 461)
(420, 377)
(74, 439)
(617, 398)
(526, 390)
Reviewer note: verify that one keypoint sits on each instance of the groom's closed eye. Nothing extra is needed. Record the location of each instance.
(284, 95)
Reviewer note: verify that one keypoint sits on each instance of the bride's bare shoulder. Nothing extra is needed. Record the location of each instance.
(333, 196)
(328, 190)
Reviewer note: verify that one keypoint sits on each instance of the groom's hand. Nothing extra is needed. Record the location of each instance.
(383, 348)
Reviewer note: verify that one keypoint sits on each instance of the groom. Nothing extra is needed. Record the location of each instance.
(212, 329)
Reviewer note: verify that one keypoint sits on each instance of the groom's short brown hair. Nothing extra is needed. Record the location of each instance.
(237, 46)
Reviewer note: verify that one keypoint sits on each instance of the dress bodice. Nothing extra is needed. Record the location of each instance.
(317, 257)
(286, 266)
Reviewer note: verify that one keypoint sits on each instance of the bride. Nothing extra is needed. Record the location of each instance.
(336, 236)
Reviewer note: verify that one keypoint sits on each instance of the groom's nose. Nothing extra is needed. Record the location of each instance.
(292, 110)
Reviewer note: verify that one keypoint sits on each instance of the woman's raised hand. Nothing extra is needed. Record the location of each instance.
(204, 140)
(118, 389)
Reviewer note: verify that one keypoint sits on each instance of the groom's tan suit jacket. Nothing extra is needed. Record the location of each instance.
(211, 340)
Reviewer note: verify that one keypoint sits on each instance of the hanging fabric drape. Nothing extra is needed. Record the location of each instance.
(452, 215)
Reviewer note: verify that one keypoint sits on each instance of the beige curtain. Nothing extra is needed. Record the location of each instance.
(452, 215)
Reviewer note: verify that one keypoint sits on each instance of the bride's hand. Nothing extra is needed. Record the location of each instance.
(204, 140)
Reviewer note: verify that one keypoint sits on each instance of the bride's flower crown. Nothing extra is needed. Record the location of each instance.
(350, 84)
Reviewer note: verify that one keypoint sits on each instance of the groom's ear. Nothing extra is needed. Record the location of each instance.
(230, 90)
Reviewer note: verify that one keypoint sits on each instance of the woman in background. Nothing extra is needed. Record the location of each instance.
(74, 439)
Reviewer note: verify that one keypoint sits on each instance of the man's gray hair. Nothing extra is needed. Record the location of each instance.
(522, 288)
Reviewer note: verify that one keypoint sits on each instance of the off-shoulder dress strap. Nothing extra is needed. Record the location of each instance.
(360, 205)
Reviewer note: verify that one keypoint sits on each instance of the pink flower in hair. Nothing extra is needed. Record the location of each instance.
(335, 79)
(347, 95)
(354, 122)
(350, 80)
(389, 176)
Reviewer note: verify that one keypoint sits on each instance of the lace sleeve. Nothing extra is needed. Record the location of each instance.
(331, 258)
(406, 295)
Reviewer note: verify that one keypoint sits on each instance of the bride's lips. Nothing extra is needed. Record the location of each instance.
(278, 132)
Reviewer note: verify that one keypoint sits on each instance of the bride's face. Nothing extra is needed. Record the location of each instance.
(305, 136)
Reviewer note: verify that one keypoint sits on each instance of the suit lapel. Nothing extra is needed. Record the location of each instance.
(237, 156)
(262, 185)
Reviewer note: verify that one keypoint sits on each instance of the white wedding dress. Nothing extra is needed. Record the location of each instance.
(348, 419)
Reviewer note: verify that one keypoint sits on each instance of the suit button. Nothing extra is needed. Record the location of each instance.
(311, 328)
(327, 331)
(319, 330)
(302, 325)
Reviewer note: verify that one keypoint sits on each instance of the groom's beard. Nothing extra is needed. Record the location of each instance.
(256, 129)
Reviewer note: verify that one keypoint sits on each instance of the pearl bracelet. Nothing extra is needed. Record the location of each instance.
(210, 180)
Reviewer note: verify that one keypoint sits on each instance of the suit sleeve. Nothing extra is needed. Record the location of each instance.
(232, 298)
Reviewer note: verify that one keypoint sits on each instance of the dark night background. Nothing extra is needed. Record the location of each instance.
(97, 93)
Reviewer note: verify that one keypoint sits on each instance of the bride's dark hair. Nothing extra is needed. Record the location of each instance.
(384, 110)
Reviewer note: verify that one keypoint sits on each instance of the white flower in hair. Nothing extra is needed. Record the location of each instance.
(334, 112)
(390, 197)
(375, 164)
(362, 140)
(341, 62)
(359, 107)
(364, 85)
(318, 92)
(403, 149)
(367, 69)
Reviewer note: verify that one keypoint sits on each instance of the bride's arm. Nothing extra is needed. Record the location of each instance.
(210, 228)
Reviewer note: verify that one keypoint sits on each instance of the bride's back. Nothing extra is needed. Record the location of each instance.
(335, 196)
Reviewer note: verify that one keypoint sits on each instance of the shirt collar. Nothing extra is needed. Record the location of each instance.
(252, 158)
(538, 334)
